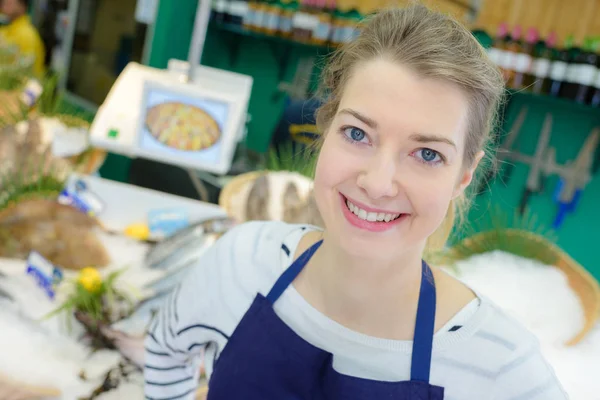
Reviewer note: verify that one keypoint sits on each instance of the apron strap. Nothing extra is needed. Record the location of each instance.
(424, 328)
(291, 273)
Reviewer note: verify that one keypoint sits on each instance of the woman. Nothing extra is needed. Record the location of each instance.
(351, 312)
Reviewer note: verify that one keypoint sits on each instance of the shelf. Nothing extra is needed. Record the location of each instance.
(280, 47)
(240, 30)
(282, 54)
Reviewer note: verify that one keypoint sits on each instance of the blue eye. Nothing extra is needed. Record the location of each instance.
(428, 156)
(354, 134)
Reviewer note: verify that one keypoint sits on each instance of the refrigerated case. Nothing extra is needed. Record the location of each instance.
(91, 41)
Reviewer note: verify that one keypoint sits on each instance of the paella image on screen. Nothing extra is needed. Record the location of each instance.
(182, 126)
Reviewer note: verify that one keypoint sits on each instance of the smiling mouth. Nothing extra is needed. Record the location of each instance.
(367, 216)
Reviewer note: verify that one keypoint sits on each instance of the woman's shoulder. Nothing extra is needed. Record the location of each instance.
(260, 245)
(256, 237)
(502, 324)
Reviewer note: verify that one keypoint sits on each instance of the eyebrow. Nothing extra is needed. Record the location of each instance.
(366, 120)
(422, 138)
(417, 137)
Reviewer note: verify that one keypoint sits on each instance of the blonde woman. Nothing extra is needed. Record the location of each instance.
(351, 311)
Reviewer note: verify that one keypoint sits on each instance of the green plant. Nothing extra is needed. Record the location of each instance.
(95, 298)
(285, 158)
(17, 184)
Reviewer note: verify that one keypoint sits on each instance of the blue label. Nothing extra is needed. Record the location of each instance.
(77, 195)
(166, 222)
(46, 275)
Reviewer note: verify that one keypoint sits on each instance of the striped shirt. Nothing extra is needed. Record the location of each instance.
(480, 354)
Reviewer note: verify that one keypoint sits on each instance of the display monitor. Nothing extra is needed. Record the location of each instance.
(188, 125)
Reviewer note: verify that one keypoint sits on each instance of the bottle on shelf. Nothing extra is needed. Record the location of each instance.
(512, 48)
(568, 89)
(237, 12)
(219, 10)
(594, 99)
(496, 51)
(538, 80)
(322, 32)
(304, 24)
(248, 22)
(261, 15)
(285, 19)
(523, 59)
(337, 28)
(271, 18)
(558, 72)
(588, 70)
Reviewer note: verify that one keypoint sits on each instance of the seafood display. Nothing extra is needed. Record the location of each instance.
(182, 126)
(60, 233)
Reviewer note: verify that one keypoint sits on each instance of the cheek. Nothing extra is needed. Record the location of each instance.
(431, 197)
(333, 166)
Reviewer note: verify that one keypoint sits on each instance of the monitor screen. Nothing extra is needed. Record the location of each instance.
(183, 127)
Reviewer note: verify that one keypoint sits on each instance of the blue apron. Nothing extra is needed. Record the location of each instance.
(265, 359)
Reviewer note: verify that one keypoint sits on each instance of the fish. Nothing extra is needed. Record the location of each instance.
(128, 334)
(167, 253)
(64, 244)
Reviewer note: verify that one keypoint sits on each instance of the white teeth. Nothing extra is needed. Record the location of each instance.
(370, 216)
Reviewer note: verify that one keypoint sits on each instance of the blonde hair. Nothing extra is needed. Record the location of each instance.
(433, 45)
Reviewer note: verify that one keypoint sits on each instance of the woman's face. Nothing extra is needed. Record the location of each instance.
(391, 161)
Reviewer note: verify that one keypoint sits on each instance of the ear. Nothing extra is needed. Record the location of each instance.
(467, 176)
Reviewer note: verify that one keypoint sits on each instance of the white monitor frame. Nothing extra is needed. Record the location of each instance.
(229, 135)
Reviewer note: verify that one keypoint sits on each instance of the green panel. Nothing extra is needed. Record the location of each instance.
(116, 168)
(579, 235)
(172, 31)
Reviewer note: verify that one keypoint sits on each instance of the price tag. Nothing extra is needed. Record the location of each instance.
(77, 194)
(46, 274)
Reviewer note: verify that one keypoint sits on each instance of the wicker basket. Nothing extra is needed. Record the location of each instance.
(9, 389)
(580, 280)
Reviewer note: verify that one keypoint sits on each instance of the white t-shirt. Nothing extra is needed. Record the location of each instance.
(480, 354)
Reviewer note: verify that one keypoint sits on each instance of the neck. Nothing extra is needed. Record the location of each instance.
(16, 17)
(366, 295)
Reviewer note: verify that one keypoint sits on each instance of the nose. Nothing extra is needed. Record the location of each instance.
(378, 179)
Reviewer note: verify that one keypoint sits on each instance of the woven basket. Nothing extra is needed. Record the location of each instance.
(233, 196)
(580, 280)
(9, 389)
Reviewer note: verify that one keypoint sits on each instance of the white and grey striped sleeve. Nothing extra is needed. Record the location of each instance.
(526, 375)
(187, 324)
